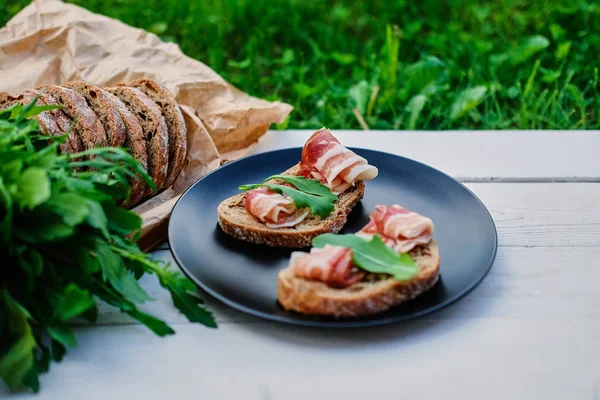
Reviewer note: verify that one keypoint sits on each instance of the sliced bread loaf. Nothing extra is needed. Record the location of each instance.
(135, 142)
(107, 112)
(87, 124)
(154, 128)
(235, 220)
(52, 123)
(175, 123)
(374, 294)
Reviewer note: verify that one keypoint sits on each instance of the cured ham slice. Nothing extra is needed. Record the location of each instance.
(331, 265)
(325, 159)
(398, 227)
(274, 209)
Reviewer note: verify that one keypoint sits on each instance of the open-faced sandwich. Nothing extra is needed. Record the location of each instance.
(311, 198)
(391, 260)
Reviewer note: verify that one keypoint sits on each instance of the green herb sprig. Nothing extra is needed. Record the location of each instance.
(65, 244)
(308, 193)
(372, 255)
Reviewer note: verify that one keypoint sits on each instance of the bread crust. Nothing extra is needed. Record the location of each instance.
(155, 131)
(175, 123)
(88, 126)
(364, 298)
(235, 221)
(105, 109)
(135, 142)
(52, 123)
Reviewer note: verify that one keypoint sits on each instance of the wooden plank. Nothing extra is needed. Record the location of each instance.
(476, 155)
(542, 228)
(449, 356)
(530, 330)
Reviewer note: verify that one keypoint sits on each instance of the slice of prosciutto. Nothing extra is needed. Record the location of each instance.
(398, 227)
(325, 159)
(331, 265)
(274, 209)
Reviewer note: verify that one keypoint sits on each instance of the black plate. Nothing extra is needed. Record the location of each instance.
(244, 275)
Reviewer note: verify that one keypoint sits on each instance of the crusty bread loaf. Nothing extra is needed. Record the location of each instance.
(174, 120)
(105, 110)
(375, 294)
(155, 131)
(52, 123)
(87, 124)
(235, 220)
(136, 143)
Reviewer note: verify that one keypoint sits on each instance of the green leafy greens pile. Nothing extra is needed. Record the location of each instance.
(308, 193)
(65, 244)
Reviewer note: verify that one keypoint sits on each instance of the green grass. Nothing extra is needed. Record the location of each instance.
(396, 64)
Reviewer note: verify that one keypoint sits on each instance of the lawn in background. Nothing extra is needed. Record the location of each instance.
(391, 64)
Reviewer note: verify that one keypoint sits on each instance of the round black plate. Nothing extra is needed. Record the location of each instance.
(244, 275)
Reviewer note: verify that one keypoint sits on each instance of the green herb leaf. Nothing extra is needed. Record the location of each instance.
(318, 205)
(72, 302)
(62, 334)
(310, 193)
(96, 217)
(17, 360)
(156, 325)
(114, 271)
(71, 207)
(121, 221)
(372, 255)
(310, 186)
(32, 188)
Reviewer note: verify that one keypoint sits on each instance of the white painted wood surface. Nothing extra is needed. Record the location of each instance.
(531, 330)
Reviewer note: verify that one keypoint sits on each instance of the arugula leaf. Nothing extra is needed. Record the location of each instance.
(156, 325)
(71, 207)
(62, 334)
(96, 217)
(372, 255)
(318, 205)
(32, 188)
(310, 186)
(310, 193)
(72, 302)
(114, 271)
(18, 358)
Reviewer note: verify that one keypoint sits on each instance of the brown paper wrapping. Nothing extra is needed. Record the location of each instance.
(51, 42)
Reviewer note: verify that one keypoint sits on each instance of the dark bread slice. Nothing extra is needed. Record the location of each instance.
(87, 124)
(51, 123)
(106, 110)
(235, 220)
(374, 294)
(136, 143)
(175, 123)
(155, 131)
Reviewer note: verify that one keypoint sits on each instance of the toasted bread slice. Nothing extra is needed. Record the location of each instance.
(374, 294)
(236, 222)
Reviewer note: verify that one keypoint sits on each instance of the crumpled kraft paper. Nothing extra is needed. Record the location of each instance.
(51, 42)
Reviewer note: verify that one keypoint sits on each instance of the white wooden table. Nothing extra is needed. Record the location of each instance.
(531, 330)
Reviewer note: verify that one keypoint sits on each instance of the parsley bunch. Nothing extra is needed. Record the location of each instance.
(65, 244)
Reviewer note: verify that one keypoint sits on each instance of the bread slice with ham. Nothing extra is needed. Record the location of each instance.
(235, 220)
(326, 282)
(373, 294)
(264, 216)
